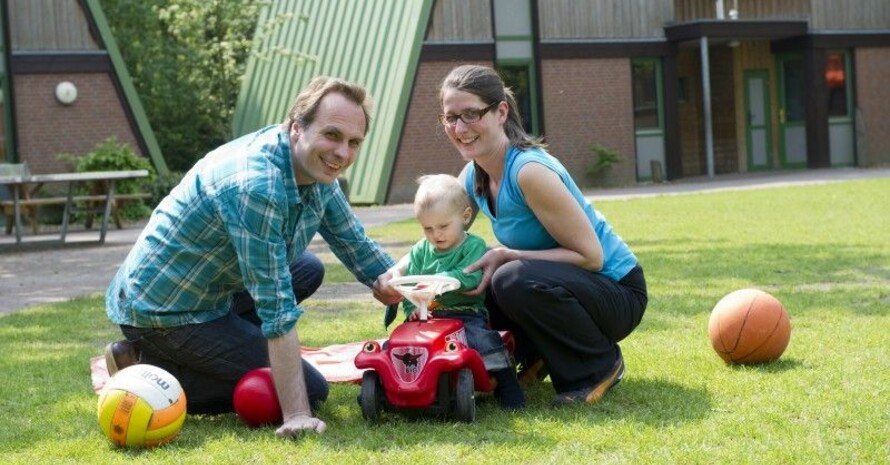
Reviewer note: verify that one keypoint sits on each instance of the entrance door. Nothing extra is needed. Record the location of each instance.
(758, 122)
(841, 133)
(792, 124)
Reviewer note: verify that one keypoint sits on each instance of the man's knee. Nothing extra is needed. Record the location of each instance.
(307, 274)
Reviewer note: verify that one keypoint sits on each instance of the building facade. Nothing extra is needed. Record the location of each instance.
(679, 88)
(63, 86)
(674, 88)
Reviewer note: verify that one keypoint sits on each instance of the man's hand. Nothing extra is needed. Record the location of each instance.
(298, 424)
(290, 385)
(385, 293)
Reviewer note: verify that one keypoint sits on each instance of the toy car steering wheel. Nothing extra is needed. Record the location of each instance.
(420, 290)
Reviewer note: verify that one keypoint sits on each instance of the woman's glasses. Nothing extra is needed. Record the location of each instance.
(468, 116)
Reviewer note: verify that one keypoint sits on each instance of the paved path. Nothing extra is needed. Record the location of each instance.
(35, 276)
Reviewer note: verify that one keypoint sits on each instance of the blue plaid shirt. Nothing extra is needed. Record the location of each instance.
(235, 222)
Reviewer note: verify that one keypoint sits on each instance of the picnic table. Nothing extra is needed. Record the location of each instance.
(24, 185)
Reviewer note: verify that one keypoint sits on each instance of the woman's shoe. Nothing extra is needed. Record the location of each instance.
(593, 394)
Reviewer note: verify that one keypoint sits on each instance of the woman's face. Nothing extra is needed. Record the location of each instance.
(478, 139)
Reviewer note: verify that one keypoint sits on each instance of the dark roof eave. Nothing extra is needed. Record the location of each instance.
(735, 29)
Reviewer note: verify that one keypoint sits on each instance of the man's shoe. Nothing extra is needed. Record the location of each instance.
(120, 355)
(593, 394)
(533, 373)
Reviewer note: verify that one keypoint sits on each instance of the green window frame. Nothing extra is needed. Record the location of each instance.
(7, 145)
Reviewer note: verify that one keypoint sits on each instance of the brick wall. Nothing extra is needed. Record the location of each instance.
(46, 128)
(589, 102)
(723, 112)
(585, 102)
(723, 115)
(692, 137)
(873, 101)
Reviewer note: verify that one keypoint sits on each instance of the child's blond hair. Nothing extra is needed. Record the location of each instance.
(440, 189)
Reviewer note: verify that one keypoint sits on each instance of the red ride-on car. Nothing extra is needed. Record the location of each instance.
(426, 365)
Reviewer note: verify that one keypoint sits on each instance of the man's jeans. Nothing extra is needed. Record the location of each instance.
(210, 358)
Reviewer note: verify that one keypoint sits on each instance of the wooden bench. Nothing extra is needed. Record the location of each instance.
(95, 203)
(30, 205)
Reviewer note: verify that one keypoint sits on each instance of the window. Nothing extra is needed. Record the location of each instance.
(794, 99)
(683, 89)
(646, 76)
(836, 80)
(518, 79)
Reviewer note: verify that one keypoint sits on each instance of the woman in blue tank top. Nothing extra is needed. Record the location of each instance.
(562, 280)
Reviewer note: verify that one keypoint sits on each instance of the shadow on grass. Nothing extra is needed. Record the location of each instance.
(776, 366)
(653, 402)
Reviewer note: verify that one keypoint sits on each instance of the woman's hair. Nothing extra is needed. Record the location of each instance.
(440, 189)
(485, 83)
(306, 104)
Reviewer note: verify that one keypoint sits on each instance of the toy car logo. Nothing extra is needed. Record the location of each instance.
(408, 362)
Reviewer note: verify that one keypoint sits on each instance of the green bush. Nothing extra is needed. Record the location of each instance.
(162, 185)
(603, 159)
(111, 155)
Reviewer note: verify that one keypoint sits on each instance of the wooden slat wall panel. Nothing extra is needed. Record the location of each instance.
(460, 21)
(823, 14)
(690, 10)
(603, 19)
(37, 25)
(845, 15)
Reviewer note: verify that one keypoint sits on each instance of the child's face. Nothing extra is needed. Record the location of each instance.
(443, 226)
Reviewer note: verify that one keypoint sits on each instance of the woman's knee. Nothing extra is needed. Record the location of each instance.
(508, 284)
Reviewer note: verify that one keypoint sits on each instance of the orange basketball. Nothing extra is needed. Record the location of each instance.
(749, 326)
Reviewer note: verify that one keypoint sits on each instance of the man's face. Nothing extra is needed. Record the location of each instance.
(322, 150)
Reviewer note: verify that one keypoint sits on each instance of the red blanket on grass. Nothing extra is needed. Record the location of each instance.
(335, 362)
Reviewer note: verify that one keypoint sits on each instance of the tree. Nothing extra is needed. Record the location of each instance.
(186, 58)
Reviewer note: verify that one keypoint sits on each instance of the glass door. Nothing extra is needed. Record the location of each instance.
(841, 132)
(757, 125)
(792, 111)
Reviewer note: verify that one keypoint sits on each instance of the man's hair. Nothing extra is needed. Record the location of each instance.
(440, 189)
(306, 104)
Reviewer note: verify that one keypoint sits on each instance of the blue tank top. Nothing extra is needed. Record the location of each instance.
(517, 227)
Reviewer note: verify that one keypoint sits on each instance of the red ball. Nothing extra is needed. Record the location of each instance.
(749, 326)
(255, 399)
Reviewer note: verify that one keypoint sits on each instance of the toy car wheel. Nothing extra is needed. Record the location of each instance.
(465, 396)
(371, 395)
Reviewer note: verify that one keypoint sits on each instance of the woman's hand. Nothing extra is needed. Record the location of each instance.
(489, 263)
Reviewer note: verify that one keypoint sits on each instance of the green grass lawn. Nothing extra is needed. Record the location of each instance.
(823, 250)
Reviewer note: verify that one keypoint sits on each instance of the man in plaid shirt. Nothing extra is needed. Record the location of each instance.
(212, 287)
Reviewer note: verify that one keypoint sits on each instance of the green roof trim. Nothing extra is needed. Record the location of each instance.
(376, 43)
(126, 83)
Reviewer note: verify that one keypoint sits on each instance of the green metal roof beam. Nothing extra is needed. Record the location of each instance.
(374, 43)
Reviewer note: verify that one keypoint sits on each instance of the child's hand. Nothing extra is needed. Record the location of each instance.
(415, 315)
